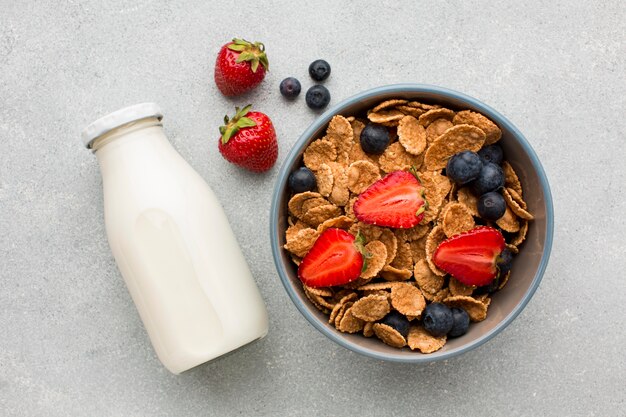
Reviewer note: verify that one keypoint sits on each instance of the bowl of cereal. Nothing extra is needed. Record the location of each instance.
(411, 223)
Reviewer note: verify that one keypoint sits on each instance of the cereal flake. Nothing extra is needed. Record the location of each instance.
(319, 152)
(436, 129)
(511, 180)
(349, 323)
(492, 131)
(340, 134)
(390, 273)
(476, 310)
(420, 339)
(297, 201)
(467, 198)
(434, 114)
(318, 215)
(456, 139)
(324, 178)
(436, 188)
(371, 307)
(388, 103)
(362, 174)
(426, 280)
(458, 288)
(389, 335)
(509, 221)
(515, 206)
(396, 158)
(408, 299)
(457, 218)
(385, 116)
(435, 237)
(412, 135)
(377, 259)
(302, 242)
(341, 222)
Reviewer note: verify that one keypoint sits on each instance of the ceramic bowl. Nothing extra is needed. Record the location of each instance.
(528, 266)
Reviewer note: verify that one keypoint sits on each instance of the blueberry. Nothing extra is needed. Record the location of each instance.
(491, 153)
(437, 319)
(319, 70)
(302, 180)
(489, 288)
(398, 322)
(464, 167)
(461, 322)
(374, 139)
(504, 261)
(317, 97)
(290, 88)
(491, 206)
(491, 178)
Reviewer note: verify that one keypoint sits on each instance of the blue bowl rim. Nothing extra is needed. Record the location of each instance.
(445, 93)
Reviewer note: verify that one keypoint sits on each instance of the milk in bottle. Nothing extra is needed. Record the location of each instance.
(172, 243)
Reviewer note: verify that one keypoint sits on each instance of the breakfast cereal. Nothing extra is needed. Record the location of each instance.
(399, 277)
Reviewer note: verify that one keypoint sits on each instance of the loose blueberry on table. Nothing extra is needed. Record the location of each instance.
(319, 70)
(290, 88)
(317, 97)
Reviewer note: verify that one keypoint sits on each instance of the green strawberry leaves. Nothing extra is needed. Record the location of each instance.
(250, 52)
(233, 126)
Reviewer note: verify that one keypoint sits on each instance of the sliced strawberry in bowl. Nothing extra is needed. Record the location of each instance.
(335, 259)
(397, 200)
(471, 257)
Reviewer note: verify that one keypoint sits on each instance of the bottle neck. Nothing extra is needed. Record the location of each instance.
(124, 133)
(131, 148)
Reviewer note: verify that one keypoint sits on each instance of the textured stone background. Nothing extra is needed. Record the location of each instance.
(71, 342)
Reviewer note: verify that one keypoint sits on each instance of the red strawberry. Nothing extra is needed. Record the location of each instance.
(397, 201)
(471, 256)
(237, 67)
(335, 259)
(249, 140)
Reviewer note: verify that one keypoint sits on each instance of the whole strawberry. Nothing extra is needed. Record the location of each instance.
(237, 68)
(249, 140)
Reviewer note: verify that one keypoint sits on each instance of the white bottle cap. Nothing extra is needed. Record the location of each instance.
(117, 119)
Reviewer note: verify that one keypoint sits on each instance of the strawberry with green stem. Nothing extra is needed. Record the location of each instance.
(249, 140)
(240, 66)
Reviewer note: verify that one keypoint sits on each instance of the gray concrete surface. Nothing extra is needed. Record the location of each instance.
(71, 342)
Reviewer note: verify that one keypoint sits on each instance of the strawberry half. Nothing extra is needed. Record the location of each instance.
(335, 259)
(397, 200)
(471, 257)
(240, 66)
(249, 140)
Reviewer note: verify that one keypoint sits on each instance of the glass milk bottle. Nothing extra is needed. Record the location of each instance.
(172, 243)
